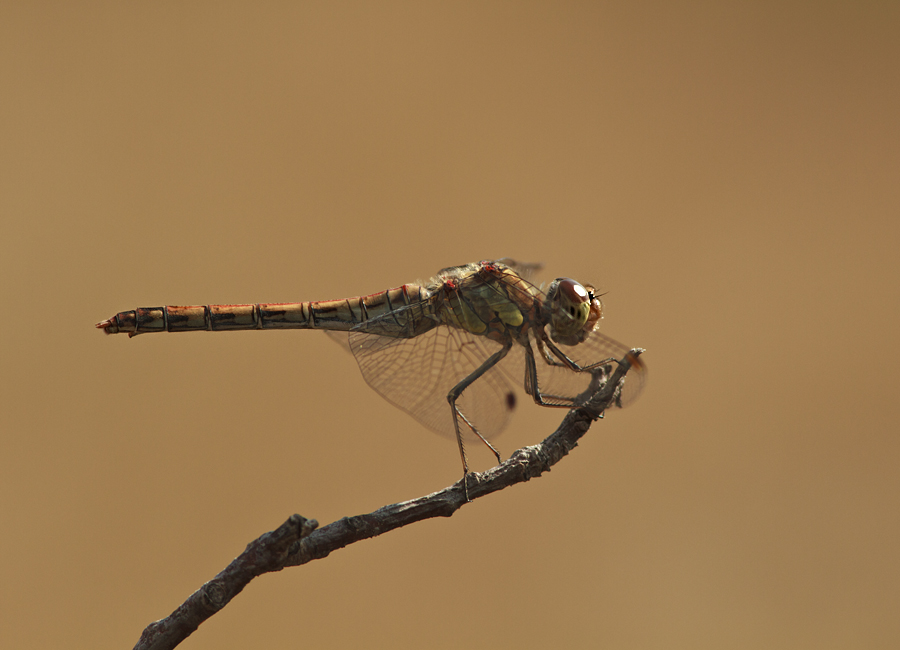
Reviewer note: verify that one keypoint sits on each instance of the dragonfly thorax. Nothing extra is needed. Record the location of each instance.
(572, 311)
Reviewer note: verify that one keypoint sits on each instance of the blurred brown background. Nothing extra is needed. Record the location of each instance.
(728, 175)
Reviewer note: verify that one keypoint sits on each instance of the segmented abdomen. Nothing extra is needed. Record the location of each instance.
(326, 314)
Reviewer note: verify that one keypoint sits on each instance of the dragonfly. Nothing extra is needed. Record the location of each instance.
(447, 351)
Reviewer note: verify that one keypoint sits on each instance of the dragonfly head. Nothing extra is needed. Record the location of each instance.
(573, 311)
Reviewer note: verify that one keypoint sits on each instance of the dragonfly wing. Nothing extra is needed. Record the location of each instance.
(525, 270)
(559, 385)
(415, 374)
(339, 337)
(593, 354)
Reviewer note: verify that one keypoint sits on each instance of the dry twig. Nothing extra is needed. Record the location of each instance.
(297, 541)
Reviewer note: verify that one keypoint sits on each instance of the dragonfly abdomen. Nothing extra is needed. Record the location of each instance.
(340, 315)
(213, 318)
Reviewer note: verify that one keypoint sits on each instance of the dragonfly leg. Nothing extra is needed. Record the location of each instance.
(563, 360)
(566, 361)
(480, 437)
(600, 372)
(465, 464)
(454, 395)
(531, 384)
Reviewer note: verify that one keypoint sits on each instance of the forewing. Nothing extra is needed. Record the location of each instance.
(416, 374)
(560, 385)
(525, 270)
(593, 354)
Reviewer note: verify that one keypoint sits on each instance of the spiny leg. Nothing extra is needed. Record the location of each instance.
(599, 369)
(480, 437)
(455, 393)
(600, 372)
(567, 362)
(531, 384)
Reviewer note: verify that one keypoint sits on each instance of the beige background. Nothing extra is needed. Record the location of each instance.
(728, 175)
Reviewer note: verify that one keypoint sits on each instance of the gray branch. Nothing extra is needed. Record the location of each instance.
(297, 541)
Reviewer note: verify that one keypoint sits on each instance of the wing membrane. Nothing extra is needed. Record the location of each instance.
(597, 356)
(415, 374)
(413, 359)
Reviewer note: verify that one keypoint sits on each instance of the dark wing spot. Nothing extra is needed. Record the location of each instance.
(510, 401)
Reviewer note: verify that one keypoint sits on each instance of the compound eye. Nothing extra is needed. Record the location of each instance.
(574, 298)
(573, 291)
(573, 305)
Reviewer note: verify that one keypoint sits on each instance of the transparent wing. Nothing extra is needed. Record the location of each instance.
(415, 374)
(525, 270)
(597, 356)
(558, 383)
(340, 338)
(413, 360)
